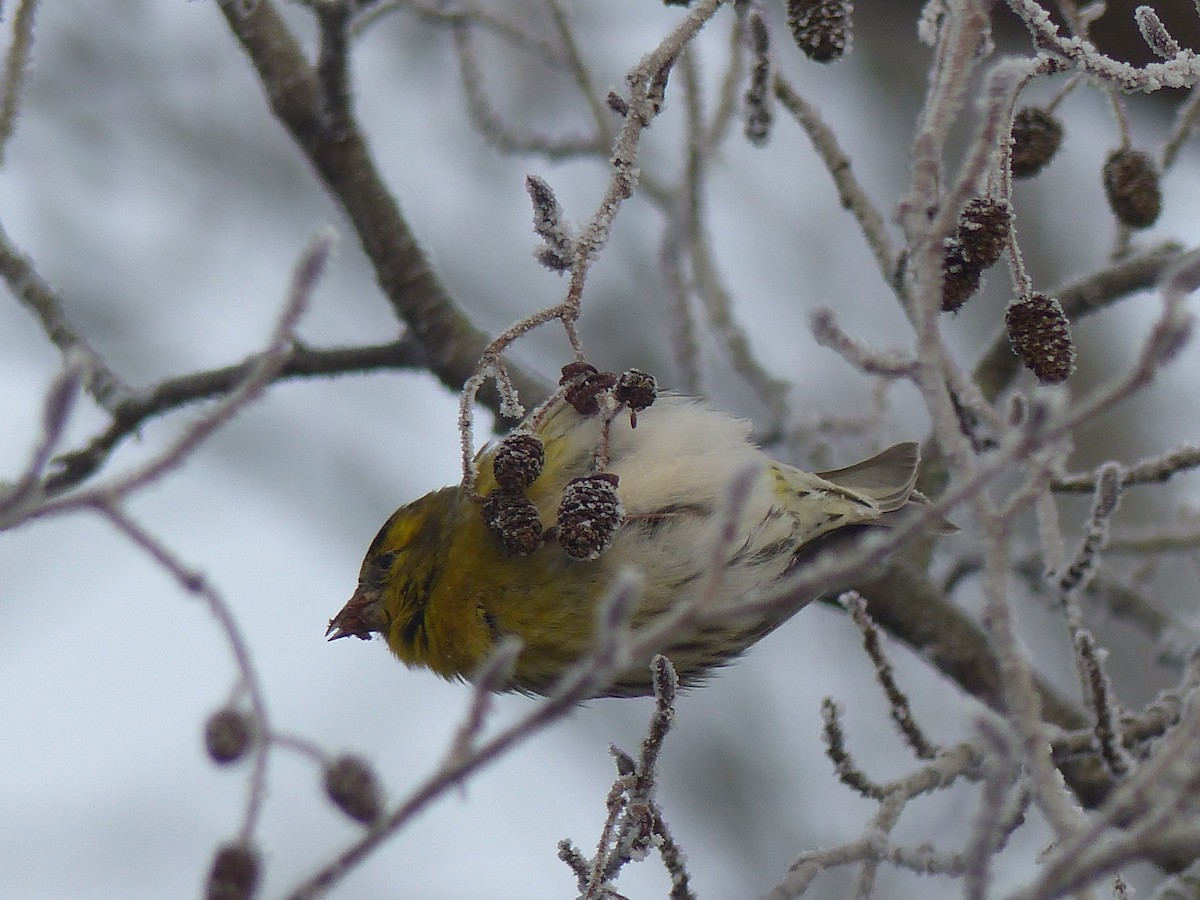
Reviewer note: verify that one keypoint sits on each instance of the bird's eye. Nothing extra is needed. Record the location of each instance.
(376, 571)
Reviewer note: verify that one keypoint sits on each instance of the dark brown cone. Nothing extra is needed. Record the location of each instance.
(983, 228)
(352, 787)
(228, 734)
(1132, 185)
(1036, 137)
(514, 520)
(1041, 336)
(586, 387)
(589, 515)
(576, 371)
(960, 277)
(636, 390)
(518, 461)
(822, 28)
(234, 873)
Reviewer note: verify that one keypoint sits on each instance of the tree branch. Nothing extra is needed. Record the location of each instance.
(299, 362)
(453, 346)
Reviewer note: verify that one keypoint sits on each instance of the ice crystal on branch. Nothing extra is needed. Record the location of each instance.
(1155, 34)
(558, 252)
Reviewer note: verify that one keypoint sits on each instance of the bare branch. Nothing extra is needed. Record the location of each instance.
(850, 192)
(59, 401)
(18, 271)
(493, 127)
(452, 345)
(258, 378)
(901, 710)
(16, 62)
(1156, 470)
(577, 684)
(829, 333)
(300, 361)
(1181, 71)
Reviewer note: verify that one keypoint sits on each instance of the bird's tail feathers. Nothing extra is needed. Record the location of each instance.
(889, 480)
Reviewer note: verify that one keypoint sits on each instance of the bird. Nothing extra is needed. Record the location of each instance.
(606, 478)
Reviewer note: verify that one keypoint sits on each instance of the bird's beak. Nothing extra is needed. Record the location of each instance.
(361, 617)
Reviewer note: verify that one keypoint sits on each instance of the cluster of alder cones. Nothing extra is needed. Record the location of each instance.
(1037, 325)
(589, 511)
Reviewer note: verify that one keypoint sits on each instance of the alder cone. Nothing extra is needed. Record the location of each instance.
(1132, 185)
(1036, 136)
(1041, 336)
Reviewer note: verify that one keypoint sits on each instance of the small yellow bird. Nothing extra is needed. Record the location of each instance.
(593, 482)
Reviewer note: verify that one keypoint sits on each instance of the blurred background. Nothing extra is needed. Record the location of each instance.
(152, 188)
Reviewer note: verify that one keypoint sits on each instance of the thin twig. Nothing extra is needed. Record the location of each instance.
(482, 19)
(489, 123)
(16, 63)
(18, 271)
(169, 395)
(195, 583)
(258, 378)
(851, 194)
(580, 683)
(1156, 470)
(341, 157)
